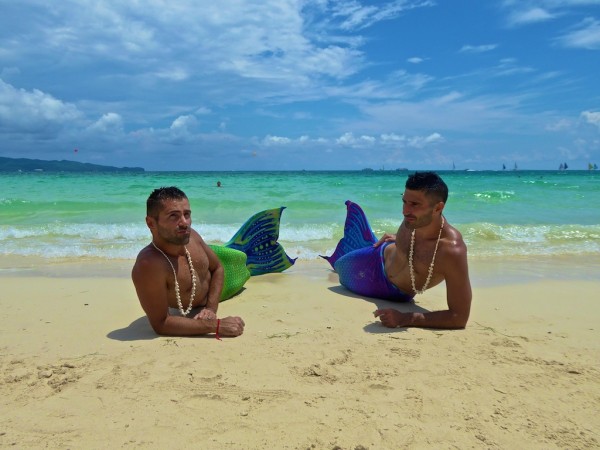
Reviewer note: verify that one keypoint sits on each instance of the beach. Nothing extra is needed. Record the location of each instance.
(81, 367)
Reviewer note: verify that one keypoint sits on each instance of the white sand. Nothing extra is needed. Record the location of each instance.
(81, 368)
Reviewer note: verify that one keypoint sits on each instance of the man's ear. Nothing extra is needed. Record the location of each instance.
(151, 222)
(439, 207)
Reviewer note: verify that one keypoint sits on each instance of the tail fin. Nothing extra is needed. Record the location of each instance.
(257, 238)
(357, 233)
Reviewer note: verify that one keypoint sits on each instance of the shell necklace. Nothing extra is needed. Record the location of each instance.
(192, 271)
(410, 260)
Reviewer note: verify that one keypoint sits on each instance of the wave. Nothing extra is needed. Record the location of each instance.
(306, 241)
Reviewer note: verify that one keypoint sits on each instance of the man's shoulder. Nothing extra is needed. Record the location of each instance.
(147, 259)
(146, 252)
(453, 243)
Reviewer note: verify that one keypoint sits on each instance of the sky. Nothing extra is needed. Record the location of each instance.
(302, 84)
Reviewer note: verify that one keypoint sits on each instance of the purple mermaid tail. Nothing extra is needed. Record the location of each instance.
(357, 233)
(359, 265)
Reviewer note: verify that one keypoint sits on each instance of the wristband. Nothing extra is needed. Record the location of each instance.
(217, 332)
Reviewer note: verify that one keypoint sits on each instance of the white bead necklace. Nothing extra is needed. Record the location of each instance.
(192, 271)
(410, 260)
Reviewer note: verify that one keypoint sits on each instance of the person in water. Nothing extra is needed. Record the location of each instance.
(179, 270)
(425, 251)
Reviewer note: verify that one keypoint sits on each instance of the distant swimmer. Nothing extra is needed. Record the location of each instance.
(218, 184)
(424, 252)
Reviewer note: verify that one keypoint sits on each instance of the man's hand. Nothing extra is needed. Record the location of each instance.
(387, 237)
(207, 314)
(231, 326)
(393, 318)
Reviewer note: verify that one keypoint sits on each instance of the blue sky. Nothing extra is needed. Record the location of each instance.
(292, 85)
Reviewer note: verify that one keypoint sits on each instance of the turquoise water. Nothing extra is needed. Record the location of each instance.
(101, 216)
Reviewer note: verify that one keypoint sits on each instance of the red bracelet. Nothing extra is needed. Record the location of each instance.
(217, 332)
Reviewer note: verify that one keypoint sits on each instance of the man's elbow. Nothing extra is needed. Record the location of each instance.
(459, 320)
(159, 327)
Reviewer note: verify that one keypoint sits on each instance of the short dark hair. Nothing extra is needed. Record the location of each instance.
(429, 182)
(158, 196)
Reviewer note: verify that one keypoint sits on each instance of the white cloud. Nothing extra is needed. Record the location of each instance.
(33, 111)
(392, 137)
(388, 140)
(531, 15)
(183, 123)
(591, 117)
(509, 67)
(108, 123)
(423, 141)
(349, 140)
(415, 60)
(183, 130)
(276, 140)
(478, 48)
(354, 15)
(586, 35)
(173, 74)
(559, 125)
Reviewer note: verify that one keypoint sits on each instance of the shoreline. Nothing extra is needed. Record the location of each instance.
(483, 271)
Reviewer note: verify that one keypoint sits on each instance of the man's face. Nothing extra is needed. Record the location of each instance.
(174, 222)
(417, 209)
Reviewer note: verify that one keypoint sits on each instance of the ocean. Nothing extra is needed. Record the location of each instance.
(536, 216)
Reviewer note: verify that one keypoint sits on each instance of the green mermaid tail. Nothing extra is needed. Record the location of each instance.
(236, 272)
(253, 250)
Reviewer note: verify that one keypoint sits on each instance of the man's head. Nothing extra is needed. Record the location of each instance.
(423, 199)
(158, 196)
(430, 184)
(168, 215)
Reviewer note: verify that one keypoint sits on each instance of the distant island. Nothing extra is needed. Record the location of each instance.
(39, 165)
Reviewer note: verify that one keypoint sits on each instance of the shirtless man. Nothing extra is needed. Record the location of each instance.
(439, 254)
(178, 270)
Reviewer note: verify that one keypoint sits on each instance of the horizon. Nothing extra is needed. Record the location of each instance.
(315, 85)
(365, 169)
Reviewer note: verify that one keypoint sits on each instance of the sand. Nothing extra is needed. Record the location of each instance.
(81, 368)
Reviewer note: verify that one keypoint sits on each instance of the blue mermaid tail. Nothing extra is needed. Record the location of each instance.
(257, 238)
(357, 233)
(360, 266)
(253, 250)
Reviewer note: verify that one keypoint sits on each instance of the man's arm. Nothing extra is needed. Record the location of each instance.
(149, 280)
(458, 297)
(217, 277)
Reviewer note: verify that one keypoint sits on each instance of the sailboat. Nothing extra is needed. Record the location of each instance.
(515, 168)
(503, 166)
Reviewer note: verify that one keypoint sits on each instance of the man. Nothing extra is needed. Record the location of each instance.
(178, 270)
(425, 251)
